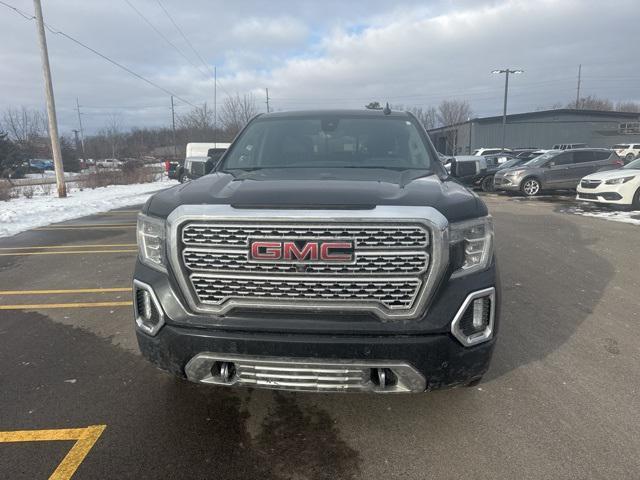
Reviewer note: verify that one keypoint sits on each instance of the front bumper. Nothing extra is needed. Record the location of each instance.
(424, 345)
(439, 359)
(610, 194)
(507, 183)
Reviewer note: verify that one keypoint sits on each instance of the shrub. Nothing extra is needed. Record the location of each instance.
(6, 191)
(128, 175)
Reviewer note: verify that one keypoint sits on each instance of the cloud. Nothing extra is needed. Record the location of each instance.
(322, 54)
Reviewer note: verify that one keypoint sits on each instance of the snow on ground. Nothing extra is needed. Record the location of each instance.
(606, 213)
(20, 214)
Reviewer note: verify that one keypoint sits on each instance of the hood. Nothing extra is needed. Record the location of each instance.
(322, 188)
(616, 173)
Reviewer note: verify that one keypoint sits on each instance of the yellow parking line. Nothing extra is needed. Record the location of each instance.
(85, 440)
(91, 245)
(87, 227)
(44, 306)
(67, 252)
(61, 292)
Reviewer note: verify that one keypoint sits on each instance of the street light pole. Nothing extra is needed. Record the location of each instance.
(51, 105)
(506, 71)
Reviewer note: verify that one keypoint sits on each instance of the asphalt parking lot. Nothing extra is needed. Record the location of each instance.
(560, 401)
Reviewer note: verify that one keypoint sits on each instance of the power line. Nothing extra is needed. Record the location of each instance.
(182, 34)
(105, 57)
(173, 45)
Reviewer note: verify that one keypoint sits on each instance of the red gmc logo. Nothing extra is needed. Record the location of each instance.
(319, 251)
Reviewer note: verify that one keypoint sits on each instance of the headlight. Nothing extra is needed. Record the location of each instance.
(513, 172)
(618, 181)
(151, 241)
(474, 239)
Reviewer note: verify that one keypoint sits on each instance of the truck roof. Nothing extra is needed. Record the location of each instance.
(334, 112)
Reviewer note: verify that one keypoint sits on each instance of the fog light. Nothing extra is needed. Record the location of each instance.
(473, 323)
(147, 310)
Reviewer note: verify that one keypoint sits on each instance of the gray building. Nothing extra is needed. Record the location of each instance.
(541, 129)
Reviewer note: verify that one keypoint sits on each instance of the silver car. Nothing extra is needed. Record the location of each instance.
(556, 170)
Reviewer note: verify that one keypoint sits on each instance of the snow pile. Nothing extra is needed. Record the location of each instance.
(20, 214)
(632, 217)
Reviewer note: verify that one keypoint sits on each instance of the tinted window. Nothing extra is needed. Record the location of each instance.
(621, 146)
(329, 142)
(601, 154)
(563, 159)
(582, 157)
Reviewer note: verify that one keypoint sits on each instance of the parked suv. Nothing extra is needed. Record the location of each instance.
(568, 146)
(556, 170)
(327, 251)
(628, 151)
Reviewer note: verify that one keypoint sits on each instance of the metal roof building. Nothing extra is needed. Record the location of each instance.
(541, 129)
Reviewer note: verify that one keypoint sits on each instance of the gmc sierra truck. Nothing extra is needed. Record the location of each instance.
(326, 251)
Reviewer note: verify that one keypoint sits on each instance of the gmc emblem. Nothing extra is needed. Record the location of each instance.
(307, 251)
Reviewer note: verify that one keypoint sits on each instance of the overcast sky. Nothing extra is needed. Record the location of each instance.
(327, 53)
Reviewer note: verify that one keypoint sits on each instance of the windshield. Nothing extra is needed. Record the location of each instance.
(621, 147)
(330, 142)
(538, 161)
(511, 163)
(633, 165)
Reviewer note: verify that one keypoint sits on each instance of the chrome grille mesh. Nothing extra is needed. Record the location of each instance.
(392, 261)
(365, 235)
(392, 293)
(211, 260)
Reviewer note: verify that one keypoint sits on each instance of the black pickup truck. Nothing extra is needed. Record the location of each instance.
(326, 251)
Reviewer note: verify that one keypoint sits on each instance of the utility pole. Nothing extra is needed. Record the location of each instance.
(51, 105)
(578, 92)
(173, 127)
(81, 129)
(215, 104)
(506, 71)
(267, 102)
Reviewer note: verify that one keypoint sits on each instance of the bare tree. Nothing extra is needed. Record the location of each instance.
(112, 133)
(24, 124)
(198, 119)
(591, 102)
(451, 112)
(428, 116)
(628, 107)
(236, 111)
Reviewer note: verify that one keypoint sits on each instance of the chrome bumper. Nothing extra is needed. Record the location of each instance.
(302, 374)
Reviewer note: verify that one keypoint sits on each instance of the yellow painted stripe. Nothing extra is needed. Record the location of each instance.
(41, 435)
(45, 306)
(82, 228)
(85, 440)
(93, 226)
(60, 292)
(78, 452)
(66, 252)
(91, 245)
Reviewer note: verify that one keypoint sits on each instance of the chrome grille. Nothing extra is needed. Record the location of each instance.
(395, 265)
(392, 293)
(232, 234)
(367, 263)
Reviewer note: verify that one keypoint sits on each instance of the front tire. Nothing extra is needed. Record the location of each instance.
(530, 187)
(184, 178)
(487, 184)
(629, 157)
(635, 203)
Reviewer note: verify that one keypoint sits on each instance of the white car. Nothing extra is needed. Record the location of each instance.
(490, 151)
(628, 151)
(109, 163)
(619, 187)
